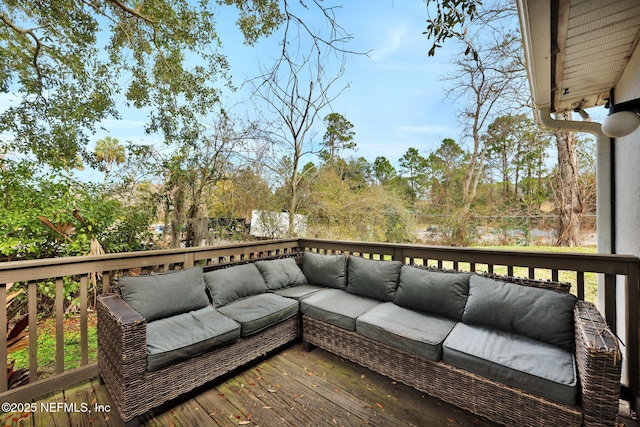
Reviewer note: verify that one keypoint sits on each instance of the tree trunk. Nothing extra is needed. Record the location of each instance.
(567, 193)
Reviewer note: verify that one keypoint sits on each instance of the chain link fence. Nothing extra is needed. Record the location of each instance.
(521, 230)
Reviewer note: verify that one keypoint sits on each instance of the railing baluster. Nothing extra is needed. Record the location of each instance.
(554, 275)
(510, 270)
(33, 330)
(532, 273)
(59, 325)
(106, 282)
(84, 347)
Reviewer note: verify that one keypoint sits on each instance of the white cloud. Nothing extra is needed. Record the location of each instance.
(394, 39)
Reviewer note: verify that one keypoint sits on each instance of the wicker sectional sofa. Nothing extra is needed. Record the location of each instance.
(518, 352)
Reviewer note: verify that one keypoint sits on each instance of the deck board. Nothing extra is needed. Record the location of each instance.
(291, 388)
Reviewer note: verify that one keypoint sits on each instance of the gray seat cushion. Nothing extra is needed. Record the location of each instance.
(298, 292)
(281, 273)
(230, 284)
(258, 312)
(180, 337)
(408, 330)
(325, 270)
(542, 314)
(337, 307)
(166, 294)
(433, 291)
(373, 278)
(533, 366)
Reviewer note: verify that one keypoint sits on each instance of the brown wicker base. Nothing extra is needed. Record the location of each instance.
(479, 395)
(122, 362)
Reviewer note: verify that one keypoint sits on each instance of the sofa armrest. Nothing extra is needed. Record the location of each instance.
(122, 340)
(599, 365)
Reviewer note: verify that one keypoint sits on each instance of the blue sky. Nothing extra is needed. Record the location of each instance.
(395, 98)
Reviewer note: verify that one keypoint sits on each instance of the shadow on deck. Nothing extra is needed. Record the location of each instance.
(291, 388)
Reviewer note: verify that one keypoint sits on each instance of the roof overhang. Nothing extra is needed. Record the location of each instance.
(576, 50)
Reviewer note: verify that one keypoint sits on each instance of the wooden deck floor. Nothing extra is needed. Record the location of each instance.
(291, 388)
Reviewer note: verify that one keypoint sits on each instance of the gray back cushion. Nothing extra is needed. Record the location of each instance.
(325, 270)
(163, 295)
(433, 291)
(229, 284)
(541, 314)
(281, 273)
(372, 278)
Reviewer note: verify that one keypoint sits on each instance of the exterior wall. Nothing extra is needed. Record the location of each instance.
(627, 193)
(627, 164)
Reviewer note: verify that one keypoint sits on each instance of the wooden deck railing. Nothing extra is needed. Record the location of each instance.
(613, 270)
(87, 268)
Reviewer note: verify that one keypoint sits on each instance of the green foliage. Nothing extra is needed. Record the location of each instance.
(49, 214)
(449, 22)
(344, 209)
(383, 170)
(414, 166)
(338, 136)
(161, 55)
(47, 296)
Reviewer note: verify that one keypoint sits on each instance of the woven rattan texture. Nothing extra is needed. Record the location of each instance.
(122, 362)
(479, 395)
(600, 363)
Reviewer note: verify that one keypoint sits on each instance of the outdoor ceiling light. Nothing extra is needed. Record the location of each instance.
(622, 120)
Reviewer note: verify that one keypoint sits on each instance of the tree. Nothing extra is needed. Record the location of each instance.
(69, 63)
(371, 213)
(446, 172)
(414, 166)
(297, 89)
(483, 84)
(339, 136)
(109, 151)
(569, 201)
(383, 170)
(193, 171)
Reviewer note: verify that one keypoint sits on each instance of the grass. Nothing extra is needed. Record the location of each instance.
(46, 355)
(590, 279)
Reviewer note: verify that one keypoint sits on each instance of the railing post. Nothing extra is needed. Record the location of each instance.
(3, 338)
(610, 310)
(189, 260)
(633, 329)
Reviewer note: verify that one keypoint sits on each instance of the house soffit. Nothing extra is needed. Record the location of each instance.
(588, 44)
